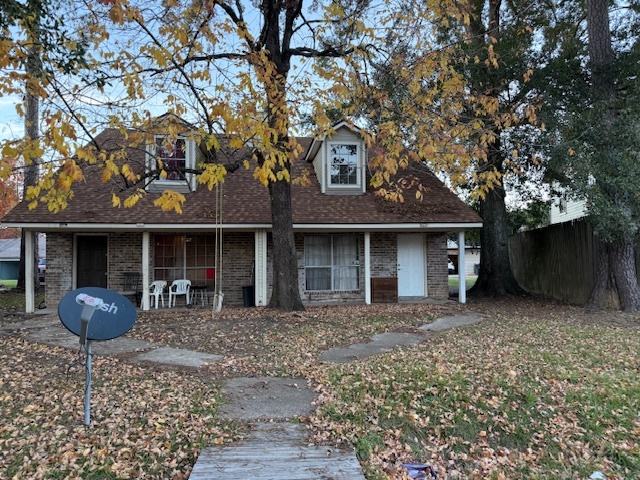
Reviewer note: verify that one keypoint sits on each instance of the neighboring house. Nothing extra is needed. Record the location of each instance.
(352, 245)
(10, 257)
(471, 257)
(565, 208)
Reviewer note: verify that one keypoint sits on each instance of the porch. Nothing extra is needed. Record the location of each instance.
(416, 260)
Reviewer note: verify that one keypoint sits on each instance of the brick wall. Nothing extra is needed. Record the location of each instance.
(125, 255)
(437, 272)
(237, 265)
(384, 255)
(59, 267)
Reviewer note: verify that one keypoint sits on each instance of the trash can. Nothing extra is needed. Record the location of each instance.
(248, 296)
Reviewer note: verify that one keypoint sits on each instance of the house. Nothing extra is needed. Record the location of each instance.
(471, 257)
(10, 256)
(565, 208)
(352, 245)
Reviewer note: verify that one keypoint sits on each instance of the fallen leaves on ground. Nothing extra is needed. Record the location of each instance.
(537, 390)
(529, 393)
(144, 424)
(260, 341)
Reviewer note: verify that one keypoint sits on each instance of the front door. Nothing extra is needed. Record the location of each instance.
(411, 265)
(91, 267)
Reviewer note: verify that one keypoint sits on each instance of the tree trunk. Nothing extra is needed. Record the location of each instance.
(32, 132)
(285, 295)
(495, 277)
(616, 279)
(622, 261)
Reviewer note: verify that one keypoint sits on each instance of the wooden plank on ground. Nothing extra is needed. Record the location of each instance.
(276, 455)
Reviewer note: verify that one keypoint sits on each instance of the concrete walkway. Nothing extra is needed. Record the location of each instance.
(48, 330)
(275, 448)
(385, 342)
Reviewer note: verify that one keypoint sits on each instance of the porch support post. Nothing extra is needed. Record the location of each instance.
(146, 278)
(367, 268)
(462, 275)
(260, 266)
(29, 268)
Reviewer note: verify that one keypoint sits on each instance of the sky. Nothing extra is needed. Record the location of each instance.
(11, 125)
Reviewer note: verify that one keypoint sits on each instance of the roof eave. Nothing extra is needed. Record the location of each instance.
(362, 227)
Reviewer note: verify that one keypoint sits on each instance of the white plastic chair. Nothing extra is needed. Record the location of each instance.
(156, 289)
(179, 287)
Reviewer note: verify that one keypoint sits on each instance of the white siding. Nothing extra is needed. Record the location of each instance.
(317, 166)
(574, 209)
(471, 258)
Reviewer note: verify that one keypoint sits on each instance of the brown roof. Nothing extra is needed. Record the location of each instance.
(246, 201)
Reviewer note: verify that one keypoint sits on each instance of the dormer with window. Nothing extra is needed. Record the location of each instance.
(175, 156)
(339, 161)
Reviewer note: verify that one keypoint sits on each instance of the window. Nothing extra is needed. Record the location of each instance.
(562, 205)
(185, 256)
(173, 156)
(343, 164)
(331, 262)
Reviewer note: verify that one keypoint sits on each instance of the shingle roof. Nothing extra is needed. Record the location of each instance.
(246, 202)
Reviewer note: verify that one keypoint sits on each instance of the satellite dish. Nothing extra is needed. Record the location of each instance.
(114, 314)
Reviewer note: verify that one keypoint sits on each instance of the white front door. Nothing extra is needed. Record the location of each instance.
(411, 265)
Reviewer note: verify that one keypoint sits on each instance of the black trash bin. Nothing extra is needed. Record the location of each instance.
(248, 296)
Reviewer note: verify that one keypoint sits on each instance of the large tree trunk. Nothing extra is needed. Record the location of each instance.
(616, 281)
(285, 295)
(495, 277)
(616, 278)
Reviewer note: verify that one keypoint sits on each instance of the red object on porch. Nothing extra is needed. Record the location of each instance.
(211, 273)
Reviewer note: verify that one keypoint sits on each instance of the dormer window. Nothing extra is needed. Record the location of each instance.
(339, 161)
(173, 157)
(343, 164)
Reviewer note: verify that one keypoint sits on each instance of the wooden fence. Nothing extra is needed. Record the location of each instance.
(558, 261)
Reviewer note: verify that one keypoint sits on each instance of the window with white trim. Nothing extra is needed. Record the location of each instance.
(172, 154)
(331, 262)
(343, 164)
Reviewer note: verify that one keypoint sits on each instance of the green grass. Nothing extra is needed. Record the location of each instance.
(9, 283)
(454, 281)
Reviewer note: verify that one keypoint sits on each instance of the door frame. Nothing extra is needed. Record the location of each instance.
(419, 241)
